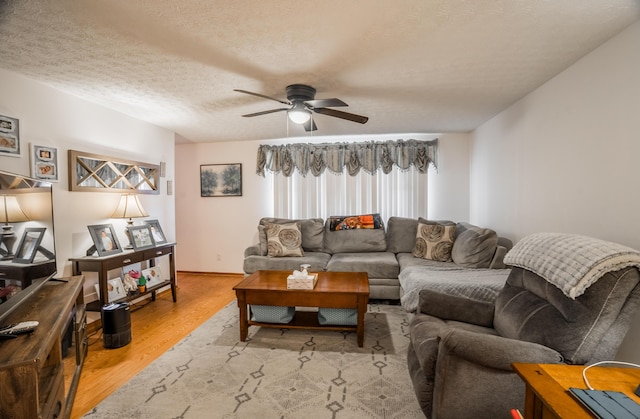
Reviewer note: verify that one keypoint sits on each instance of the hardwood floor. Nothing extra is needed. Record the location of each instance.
(155, 327)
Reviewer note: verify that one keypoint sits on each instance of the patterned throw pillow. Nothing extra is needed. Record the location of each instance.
(284, 240)
(434, 241)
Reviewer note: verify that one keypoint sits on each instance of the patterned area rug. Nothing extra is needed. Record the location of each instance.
(276, 373)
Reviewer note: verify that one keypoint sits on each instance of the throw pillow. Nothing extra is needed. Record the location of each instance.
(312, 230)
(434, 241)
(353, 222)
(474, 247)
(284, 240)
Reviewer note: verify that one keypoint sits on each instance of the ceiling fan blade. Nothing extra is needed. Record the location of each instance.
(343, 115)
(265, 112)
(325, 103)
(262, 96)
(310, 125)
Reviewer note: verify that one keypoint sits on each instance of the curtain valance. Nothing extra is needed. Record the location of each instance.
(368, 156)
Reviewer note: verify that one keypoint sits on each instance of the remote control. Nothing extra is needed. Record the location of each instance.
(19, 328)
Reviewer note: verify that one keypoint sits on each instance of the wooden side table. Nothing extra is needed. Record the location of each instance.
(547, 387)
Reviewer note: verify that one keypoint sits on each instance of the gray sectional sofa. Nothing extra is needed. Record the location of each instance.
(387, 255)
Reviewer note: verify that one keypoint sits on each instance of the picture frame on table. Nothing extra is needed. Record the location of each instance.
(115, 290)
(141, 237)
(156, 231)
(153, 276)
(44, 163)
(9, 136)
(105, 239)
(29, 244)
(221, 180)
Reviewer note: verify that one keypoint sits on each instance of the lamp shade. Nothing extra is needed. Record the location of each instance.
(10, 211)
(129, 207)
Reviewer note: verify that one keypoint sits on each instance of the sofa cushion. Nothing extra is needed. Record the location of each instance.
(356, 240)
(317, 260)
(434, 240)
(312, 232)
(375, 264)
(474, 246)
(284, 240)
(401, 234)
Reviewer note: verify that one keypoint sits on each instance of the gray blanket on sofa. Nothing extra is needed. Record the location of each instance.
(571, 262)
(476, 284)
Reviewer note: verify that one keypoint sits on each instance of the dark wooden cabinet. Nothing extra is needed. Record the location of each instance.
(24, 272)
(103, 264)
(32, 373)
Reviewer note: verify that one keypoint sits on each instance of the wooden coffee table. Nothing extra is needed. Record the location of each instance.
(333, 290)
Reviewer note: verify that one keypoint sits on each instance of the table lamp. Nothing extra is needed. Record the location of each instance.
(129, 207)
(10, 212)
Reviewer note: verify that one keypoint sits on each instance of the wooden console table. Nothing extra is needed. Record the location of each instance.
(32, 370)
(102, 265)
(548, 384)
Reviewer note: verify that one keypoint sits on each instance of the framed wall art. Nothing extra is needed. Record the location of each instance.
(105, 239)
(221, 179)
(97, 173)
(141, 237)
(9, 136)
(44, 163)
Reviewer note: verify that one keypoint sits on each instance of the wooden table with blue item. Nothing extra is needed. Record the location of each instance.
(547, 387)
(349, 290)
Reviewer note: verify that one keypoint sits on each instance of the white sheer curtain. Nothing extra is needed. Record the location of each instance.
(401, 193)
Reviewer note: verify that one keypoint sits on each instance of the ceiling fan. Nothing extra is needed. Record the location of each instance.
(301, 102)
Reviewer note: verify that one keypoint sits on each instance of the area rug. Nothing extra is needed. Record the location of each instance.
(276, 373)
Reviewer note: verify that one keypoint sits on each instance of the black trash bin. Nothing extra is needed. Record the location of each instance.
(116, 325)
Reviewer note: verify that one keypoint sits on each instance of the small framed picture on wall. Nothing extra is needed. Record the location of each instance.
(44, 163)
(221, 179)
(9, 136)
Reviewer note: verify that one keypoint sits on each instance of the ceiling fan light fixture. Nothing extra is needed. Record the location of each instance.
(298, 114)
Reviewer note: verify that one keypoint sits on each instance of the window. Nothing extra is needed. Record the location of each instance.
(401, 193)
(323, 180)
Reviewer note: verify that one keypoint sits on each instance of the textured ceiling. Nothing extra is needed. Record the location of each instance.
(409, 65)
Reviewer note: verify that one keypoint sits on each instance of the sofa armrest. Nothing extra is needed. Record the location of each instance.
(252, 251)
(494, 351)
(452, 307)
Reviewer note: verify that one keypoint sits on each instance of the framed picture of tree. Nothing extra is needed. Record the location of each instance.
(221, 179)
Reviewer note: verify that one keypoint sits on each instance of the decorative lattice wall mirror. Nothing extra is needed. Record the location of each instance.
(97, 173)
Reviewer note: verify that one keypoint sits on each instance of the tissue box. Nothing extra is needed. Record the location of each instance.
(307, 283)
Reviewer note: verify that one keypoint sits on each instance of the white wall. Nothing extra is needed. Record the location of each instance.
(565, 158)
(51, 118)
(449, 185)
(213, 232)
